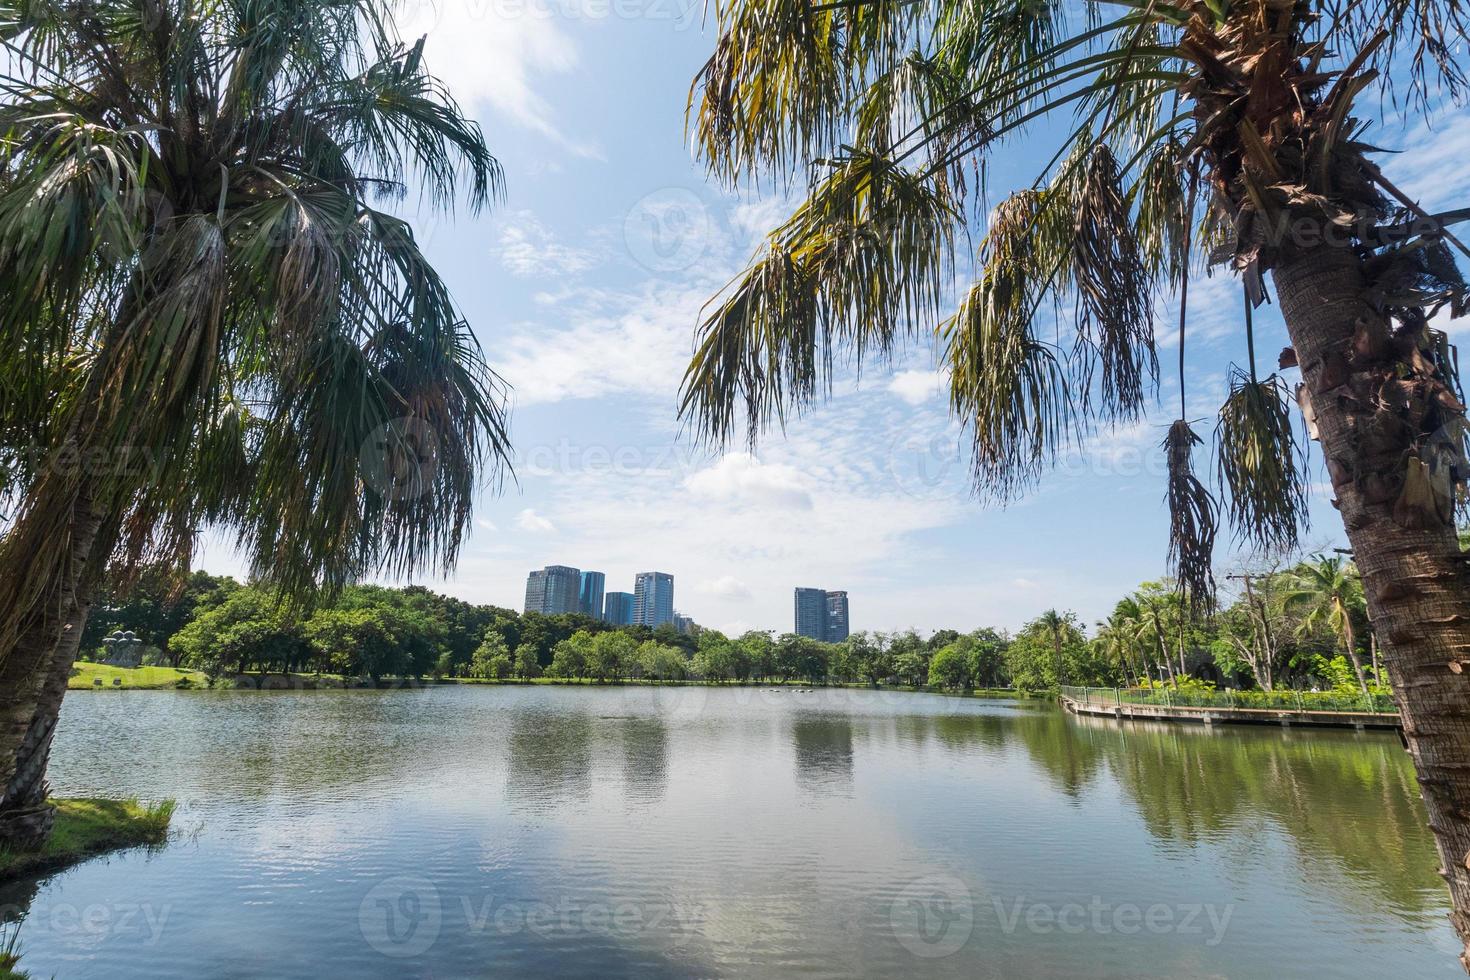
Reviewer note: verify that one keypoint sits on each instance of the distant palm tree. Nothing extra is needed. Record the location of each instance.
(1055, 626)
(1327, 592)
(1176, 132)
(1119, 638)
(205, 320)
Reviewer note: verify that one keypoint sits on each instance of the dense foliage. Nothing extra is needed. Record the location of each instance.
(1301, 625)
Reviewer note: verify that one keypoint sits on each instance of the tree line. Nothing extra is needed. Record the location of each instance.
(1300, 624)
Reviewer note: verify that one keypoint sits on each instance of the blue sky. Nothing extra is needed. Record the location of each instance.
(585, 289)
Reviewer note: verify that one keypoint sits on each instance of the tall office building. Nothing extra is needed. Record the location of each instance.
(811, 613)
(836, 617)
(653, 598)
(685, 624)
(821, 615)
(554, 589)
(592, 585)
(617, 608)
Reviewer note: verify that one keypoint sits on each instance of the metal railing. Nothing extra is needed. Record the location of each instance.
(1289, 700)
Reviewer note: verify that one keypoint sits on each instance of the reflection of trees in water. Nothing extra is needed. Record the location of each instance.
(548, 760)
(15, 901)
(1349, 800)
(645, 758)
(823, 753)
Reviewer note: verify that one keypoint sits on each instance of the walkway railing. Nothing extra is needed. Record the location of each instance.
(1272, 700)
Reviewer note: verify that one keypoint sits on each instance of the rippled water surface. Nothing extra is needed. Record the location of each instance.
(507, 831)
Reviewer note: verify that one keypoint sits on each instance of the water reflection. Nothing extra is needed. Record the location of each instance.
(520, 799)
(548, 761)
(645, 745)
(823, 753)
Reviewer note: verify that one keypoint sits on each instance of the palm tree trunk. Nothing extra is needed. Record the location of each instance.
(1351, 642)
(1416, 585)
(26, 792)
(51, 633)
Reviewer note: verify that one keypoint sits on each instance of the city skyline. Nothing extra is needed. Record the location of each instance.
(558, 589)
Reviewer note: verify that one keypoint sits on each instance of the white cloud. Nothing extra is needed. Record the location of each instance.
(918, 387)
(742, 479)
(527, 248)
(529, 520)
(489, 58)
(726, 587)
(635, 342)
(485, 524)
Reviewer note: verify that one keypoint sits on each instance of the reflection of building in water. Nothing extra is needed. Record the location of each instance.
(645, 759)
(548, 761)
(823, 753)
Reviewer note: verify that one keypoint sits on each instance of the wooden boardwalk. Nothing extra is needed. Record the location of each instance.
(1230, 716)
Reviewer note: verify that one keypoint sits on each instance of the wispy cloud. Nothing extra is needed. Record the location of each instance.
(741, 479)
(527, 248)
(492, 60)
(529, 520)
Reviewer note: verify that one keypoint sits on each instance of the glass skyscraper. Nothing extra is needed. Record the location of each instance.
(554, 589)
(811, 613)
(836, 617)
(653, 598)
(617, 608)
(821, 615)
(592, 586)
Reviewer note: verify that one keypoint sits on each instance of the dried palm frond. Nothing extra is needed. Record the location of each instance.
(1012, 389)
(1193, 520)
(1114, 290)
(862, 262)
(1259, 464)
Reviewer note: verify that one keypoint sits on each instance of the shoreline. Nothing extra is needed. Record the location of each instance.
(87, 828)
(168, 679)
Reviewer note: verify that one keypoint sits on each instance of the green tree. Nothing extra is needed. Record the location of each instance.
(950, 667)
(569, 657)
(527, 665)
(612, 653)
(248, 629)
(491, 659)
(1328, 592)
(191, 261)
(1172, 134)
(988, 657)
(760, 651)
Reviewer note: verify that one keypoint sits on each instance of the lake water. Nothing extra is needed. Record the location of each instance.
(690, 832)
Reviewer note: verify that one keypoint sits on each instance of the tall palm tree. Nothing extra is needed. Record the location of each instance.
(1327, 592)
(206, 321)
(1175, 130)
(1055, 626)
(1120, 638)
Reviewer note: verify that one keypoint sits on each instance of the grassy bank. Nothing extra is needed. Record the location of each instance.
(87, 827)
(85, 676)
(88, 676)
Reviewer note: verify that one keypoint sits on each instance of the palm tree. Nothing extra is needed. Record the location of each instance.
(1058, 627)
(1327, 592)
(1120, 638)
(206, 322)
(1185, 129)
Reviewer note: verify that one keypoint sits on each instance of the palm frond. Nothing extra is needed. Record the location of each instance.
(862, 261)
(1193, 520)
(1259, 464)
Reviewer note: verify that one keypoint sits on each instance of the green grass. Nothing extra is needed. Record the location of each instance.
(85, 676)
(86, 827)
